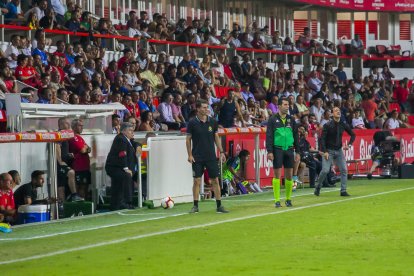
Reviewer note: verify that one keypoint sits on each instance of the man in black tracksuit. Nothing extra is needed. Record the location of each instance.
(121, 165)
(331, 146)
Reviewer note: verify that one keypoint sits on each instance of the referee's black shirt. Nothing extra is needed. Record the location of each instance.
(202, 136)
(332, 135)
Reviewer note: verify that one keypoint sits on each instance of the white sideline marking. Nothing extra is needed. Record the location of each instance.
(60, 252)
(135, 221)
(92, 228)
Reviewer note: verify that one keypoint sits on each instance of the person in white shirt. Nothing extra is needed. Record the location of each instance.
(133, 29)
(314, 83)
(357, 120)
(60, 10)
(326, 117)
(12, 51)
(392, 123)
(317, 109)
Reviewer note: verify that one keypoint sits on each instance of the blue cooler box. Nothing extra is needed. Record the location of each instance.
(33, 213)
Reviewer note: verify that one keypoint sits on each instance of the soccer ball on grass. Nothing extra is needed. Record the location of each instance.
(167, 203)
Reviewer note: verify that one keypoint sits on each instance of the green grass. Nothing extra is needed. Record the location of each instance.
(366, 234)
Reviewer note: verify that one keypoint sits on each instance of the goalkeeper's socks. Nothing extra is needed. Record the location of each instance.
(276, 189)
(288, 188)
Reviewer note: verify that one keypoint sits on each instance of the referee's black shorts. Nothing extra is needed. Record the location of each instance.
(211, 166)
(285, 158)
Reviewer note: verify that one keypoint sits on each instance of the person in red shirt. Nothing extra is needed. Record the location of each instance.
(370, 107)
(128, 57)
(401, 94)
(24, 73)
(81, 161)
(7, 206)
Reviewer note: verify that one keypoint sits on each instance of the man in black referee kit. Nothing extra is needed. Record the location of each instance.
(331, 146)
(201, 136)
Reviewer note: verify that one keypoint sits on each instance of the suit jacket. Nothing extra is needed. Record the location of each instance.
(122, 154)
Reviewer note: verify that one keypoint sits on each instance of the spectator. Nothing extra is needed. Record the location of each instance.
(81, 162)
(340, 73)
(401, 94)
(244, 41)
(189, 107)
(357, 120)
(229, 109)
(165, 111)
(7, 203)
(317, 109)
(369, 106)
(357, 46)
(147, 122)
(48, 21)
(326, 117)
(60, 10)
(12, 51)
(27, 194)
(45, 96)
(12, 11)
(176, 109)
(392, 122)
(40, 50)
(73, 24)
(16, 180)
(116, 123)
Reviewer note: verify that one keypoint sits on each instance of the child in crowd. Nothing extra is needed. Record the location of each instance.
(357, 120)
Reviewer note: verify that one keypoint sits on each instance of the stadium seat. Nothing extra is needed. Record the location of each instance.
(381, 50)
(411, 120)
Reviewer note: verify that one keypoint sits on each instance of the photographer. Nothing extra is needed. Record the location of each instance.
(306, 158)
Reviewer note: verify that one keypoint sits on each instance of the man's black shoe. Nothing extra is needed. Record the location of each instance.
(345, 194)
(317, 191)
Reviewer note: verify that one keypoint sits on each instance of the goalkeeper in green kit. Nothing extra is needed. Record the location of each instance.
(281, 143)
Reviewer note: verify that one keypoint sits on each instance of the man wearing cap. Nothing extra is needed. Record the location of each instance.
(121, 164)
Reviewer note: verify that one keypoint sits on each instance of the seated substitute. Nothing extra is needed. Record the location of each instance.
(7, 206)
(27, 194)
(234, 175)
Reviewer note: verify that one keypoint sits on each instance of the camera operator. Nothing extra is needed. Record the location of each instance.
(380, 155)
(306, 158)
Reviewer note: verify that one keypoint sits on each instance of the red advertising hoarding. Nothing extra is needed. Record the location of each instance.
(366, 5)
(359, 150)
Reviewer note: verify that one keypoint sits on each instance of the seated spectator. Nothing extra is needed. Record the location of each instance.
(326, 117)
(234, 41)
(116, 124)
(45, 96)
(147, 122)
(26, 194)
(12, 51)
(165, 111)
(133, 30)
(73, 24)
(288, 45)
(40, 50)
(12, 11)
(392, 122)
(341, 74)
(189, 107)
(176, 109)
(244, 41)
(16, 180)
(257, 42)
(49, 20)
(7, 203)
(154, 80)
(357, 120)
(357, 46)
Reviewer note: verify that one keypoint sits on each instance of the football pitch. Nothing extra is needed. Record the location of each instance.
(369, 233)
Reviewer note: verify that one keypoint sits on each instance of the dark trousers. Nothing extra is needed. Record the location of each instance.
(121, 188)
(314, 168)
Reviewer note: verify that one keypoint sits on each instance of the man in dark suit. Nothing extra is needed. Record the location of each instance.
(121, 165)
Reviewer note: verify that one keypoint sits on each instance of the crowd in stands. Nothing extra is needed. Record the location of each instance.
(161, 95)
